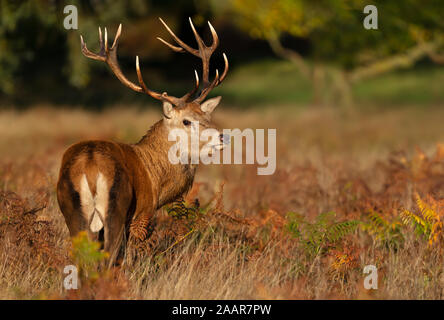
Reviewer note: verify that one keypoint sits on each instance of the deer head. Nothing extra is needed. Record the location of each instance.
(178, 112)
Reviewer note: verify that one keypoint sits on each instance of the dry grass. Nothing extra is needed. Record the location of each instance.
(238, 244)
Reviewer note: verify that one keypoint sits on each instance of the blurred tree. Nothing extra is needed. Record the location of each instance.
(15, 38)
(34, 43)
(28, 27)
(342, 51)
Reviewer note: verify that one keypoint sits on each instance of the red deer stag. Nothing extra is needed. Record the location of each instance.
(112, 190)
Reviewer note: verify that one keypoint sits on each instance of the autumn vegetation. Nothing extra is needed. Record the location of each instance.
(349, 191)
(360, 149)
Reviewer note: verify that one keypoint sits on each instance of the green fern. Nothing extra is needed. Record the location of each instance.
(382, 230)
(321, 235)
(87, 256)
(340, 230)
(427, 223)
(181, 210)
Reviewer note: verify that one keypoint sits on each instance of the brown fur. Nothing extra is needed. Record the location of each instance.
(140, 179)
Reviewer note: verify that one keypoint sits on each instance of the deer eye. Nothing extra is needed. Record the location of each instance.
(186, 122)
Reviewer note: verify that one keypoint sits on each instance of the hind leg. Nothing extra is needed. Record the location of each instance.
(115, 224)
(76, 223)
(115, 240)
(69, 203)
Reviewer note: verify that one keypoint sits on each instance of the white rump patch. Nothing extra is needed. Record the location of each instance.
(94, 207)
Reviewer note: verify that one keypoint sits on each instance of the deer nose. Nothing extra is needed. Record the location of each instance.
(224, 138)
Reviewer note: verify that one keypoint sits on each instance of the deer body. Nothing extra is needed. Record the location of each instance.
(112, 190)
(111, 184)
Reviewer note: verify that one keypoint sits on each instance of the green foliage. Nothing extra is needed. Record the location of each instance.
(382, 230)
(337, 26)
(341, 51)
(321, 235)
(181, 210)
(427, 223)
(87, 256)
(17, 19)
(32, 33)
(189, 213)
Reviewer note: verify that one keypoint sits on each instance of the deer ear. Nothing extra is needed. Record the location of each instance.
(209, 105)
(168, 109)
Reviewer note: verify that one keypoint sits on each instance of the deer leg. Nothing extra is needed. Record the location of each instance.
(69, 202)
(115, 219)
(138, 227)
(76, 223)
(114, 236)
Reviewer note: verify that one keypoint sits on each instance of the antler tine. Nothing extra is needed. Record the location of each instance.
(215, 43)
(199, 40)
(187, 96)
(153, 94)
(89, 54)
(179, 42)
(102, 48)
(208, 88)
(116, 38)
(106, 41)
(204, 53)
(224, 74)
(174, 48)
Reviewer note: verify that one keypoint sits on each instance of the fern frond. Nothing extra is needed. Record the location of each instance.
(409, 217)
(339, 230)
(324, 218)
(180, 210)
(377, 220)
(429, 214)
(295, 221)
(384, 230)
(419, 203)
(320, 235)
(435, 233)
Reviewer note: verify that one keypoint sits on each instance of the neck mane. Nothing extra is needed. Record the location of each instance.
(172, 179)
(153, 148)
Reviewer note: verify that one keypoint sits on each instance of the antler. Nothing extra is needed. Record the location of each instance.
(109, 56)
(202, 52)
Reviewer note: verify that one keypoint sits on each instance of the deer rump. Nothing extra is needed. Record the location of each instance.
(95, 191)
(94, 207)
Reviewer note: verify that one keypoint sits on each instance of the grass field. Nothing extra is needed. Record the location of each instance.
(348, 192)
(268, 82)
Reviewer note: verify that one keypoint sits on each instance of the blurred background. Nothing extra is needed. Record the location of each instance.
(359, 119)
(294, 52)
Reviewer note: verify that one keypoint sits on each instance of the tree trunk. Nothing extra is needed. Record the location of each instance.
(343, 90)
(318, 84)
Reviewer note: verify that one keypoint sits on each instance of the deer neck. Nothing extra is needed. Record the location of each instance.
(170, 180)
